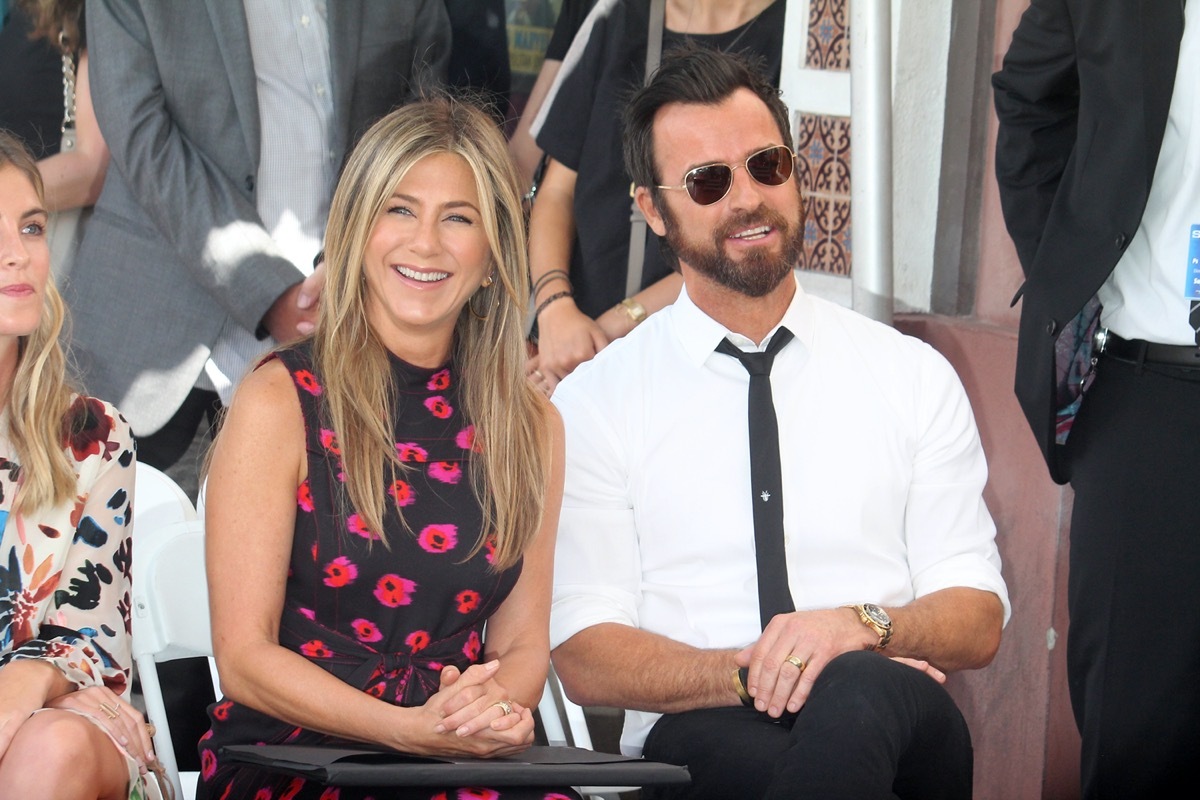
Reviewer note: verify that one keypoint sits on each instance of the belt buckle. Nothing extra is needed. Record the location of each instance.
(1100, 340)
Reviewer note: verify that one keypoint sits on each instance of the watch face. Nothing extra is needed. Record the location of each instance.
(877, 615)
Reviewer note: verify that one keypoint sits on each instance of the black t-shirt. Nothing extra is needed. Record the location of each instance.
(31, 94)
(582, 130)
(570, 18)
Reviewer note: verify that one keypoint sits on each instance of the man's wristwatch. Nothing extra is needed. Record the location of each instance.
(877, 620)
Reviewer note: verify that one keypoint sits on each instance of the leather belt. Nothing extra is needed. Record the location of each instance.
(1139, 351)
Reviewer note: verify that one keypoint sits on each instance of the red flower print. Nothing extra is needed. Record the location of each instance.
(489, 547)
(307, 613)
(478, 794)
(293, 789)
(410, 451)
(332, 793)
(468, 601)
(417, 641)
(438, 406)
(440, 381)
(208, 763)
(359, 528)
(394, 591)
(472, 647)
(315, 649)
(313, 550)
(340, 572)
(86, 427)
(329, 441)
(439, 796)
(467, 440)
(556, 796)
(445, 471)
(262, 794)
(307, 381)
(221, 711)
(438, 538)
(366, 631)
(376, 690)
(304, 497)
(402, 493)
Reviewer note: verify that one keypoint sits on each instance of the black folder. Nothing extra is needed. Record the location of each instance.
(537, 766)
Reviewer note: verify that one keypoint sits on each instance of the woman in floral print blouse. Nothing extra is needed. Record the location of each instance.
(382, 489)
(66, 481)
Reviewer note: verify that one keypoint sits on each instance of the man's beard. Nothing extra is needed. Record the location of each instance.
(759, 271)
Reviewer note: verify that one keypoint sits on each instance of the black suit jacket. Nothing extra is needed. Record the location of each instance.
(1082, 99)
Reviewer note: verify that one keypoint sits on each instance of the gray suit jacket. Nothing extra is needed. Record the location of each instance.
(175, 245)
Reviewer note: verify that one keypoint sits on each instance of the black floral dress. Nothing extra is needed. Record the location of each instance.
(384, 620)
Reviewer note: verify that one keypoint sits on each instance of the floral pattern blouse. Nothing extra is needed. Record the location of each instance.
(65, 571)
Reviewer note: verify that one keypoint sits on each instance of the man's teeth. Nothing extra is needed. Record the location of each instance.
(753, 233)
(425, 277)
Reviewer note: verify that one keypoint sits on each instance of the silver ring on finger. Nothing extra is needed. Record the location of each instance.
(504, 706)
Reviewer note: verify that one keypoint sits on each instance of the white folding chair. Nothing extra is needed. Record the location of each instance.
(170, 620)
(566, 725)
(158, 500)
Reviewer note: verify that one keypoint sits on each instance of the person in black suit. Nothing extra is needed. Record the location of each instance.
(1098, 164)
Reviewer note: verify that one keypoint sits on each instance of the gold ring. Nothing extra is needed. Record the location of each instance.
(112, 713)
(504, 706)
(151, 730)
(798, 663)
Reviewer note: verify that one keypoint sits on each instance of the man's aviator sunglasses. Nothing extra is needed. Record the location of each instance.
(710, 183)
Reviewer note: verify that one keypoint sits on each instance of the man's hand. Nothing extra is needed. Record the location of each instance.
(294, 313)
(815, 638)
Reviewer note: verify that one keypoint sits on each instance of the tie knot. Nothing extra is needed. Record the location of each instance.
(757, 363)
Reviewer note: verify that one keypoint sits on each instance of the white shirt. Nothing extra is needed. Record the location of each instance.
(1144, 296)
(882, 468)
(297, 167)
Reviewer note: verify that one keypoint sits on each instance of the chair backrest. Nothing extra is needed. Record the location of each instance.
(565, 725)
(170, 617)
(158, 500)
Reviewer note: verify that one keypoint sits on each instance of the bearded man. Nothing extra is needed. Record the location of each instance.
(773, 543)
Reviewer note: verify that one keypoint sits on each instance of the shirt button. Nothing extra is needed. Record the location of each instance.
(304, 20)
(320, 91)
(1051, 327)
(249, 183)
(1120, 241)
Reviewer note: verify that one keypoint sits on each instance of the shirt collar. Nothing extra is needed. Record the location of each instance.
(699, 334)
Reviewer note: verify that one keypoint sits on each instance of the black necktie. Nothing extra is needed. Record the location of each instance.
(766, 482)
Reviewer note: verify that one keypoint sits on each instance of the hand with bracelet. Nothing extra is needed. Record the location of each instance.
(566, 336)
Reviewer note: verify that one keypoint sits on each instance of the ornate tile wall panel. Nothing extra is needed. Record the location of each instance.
(823, 168)
(823, 147)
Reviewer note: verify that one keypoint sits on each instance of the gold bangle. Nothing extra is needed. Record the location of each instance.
(635, 310)
(741, 688)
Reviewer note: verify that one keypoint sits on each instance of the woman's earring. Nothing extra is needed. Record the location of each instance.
(488, 281)
(471, 302)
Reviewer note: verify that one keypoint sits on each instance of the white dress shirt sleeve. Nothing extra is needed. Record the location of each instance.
(597, 568)
(950, 533)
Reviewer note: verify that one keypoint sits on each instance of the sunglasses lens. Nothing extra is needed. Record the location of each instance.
(707, 185)
(771, 167)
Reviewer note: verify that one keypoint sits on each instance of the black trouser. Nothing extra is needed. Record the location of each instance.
(872, 728)
(186, 685)
(1133, 652)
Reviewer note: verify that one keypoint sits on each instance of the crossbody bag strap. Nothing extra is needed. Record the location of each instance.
(637, 222)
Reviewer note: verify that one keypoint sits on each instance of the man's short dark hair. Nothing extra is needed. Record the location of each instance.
(698, 75)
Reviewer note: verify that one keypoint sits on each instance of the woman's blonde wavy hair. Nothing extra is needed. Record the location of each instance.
(509, 470)
(40, 395)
